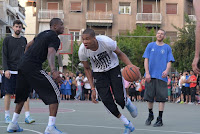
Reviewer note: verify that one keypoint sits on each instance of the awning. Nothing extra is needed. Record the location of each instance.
(22, 20)
(99, 24)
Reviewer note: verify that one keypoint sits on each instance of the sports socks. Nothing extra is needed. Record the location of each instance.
(160, 114)
(15, 118)
(124, 119)
(7, 113)
(150, 111)
(52, 121)
(27, 114)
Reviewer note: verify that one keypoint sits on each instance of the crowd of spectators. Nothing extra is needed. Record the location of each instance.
(182, 88)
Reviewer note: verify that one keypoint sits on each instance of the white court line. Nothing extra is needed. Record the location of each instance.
(28, 130)
(148, 130)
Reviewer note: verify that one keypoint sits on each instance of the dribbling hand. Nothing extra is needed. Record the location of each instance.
(56, 76)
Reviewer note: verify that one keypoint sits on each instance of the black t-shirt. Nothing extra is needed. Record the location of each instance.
(37, 53)
(13, 50)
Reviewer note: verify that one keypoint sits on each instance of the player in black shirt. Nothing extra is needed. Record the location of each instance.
(43, 47)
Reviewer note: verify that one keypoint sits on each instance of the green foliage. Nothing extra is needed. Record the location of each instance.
(74, 64)
(134, 46)
(1, 46)
(183, 49)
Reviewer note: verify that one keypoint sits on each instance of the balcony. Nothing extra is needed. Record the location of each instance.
(149, 18)
(47, 15)
(99, 18)
(192, 17)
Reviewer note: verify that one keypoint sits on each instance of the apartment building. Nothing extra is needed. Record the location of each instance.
(114, 17)
(30, 13)
(10, 10)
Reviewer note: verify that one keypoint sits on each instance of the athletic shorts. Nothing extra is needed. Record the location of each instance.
(112, 79)
(41, 82)
(187, 90)
(156, 90)
(10, 84)
(87, 91)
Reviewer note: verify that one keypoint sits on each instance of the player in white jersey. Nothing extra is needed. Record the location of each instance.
(103, 54)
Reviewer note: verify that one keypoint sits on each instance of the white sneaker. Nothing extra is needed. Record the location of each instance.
(53, 130)
(14, 128)
(131, 108)
(129, 128)
(7, 119)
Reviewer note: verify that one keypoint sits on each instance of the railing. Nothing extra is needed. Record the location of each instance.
(149, 17)
(49, 14)
(99, 15)
(192, 17)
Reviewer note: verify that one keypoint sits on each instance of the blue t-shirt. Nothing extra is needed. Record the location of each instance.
(62, 86)
(158, 57)
(68, 86)
(187, 84)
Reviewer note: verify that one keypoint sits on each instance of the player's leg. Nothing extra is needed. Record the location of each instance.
(149, 95)
(10, 86)
(119, 91)
(48, 91)
(102, 83)
(22, 94)
(161, 95)
(28, 118)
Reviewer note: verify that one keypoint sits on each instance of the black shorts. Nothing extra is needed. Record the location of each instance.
(41, 82)
(187, 90)
(10, 84)
(107, 81)
(156, 90)
(87, 91)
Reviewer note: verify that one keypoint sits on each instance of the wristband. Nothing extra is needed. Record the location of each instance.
(93, 88)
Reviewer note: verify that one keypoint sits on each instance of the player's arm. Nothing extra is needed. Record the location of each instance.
(196, 4)
(29, 45)
(88, 73)
(51, 61)
(122, 56)
(146, 67)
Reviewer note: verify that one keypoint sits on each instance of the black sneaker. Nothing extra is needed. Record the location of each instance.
(148, 121)
(158, 123)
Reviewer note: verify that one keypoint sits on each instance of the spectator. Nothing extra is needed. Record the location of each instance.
(87, 88)
(73, 89)
(79, 80)
(132, 91)
(193, 84)
(68, 84)
(62, 88)
(169, 88)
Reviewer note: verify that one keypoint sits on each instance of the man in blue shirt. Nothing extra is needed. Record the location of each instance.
(158, 58)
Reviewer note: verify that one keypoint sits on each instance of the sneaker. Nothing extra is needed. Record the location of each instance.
(13, 128)
(53, 130)
(7, 119)
(129, 128)
(190, 103)
(182, 102)
(148, 121)
(158, 123)
(131, 108)
(29, 120)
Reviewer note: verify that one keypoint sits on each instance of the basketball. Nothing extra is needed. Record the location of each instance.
(131, 73)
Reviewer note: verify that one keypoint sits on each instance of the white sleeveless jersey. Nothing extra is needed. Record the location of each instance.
(103, 59)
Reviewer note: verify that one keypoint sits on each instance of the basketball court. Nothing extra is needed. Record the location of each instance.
(84, 117)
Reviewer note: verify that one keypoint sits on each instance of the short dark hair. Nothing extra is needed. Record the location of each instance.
(89, 31)
(54, 21)
(17, 22)
(163, 31)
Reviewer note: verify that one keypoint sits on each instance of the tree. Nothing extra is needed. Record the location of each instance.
(134, 44)
(74, 64)
(183, 49)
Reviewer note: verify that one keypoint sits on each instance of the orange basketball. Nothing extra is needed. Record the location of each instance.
(131, 73)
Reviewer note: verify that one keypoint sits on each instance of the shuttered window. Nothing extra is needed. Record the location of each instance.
(76, 7)
(171, 9)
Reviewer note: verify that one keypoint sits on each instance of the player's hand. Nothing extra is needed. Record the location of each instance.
(93, 96)
(7, 74)
(56, 76)
(164, 74)
(148, 77)
(194, 65)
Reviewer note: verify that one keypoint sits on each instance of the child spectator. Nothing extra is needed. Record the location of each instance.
(68, 84)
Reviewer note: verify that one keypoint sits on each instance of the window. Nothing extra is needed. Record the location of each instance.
(75, 7)
(147, 8)
(171, 9)
(53, 6)
(124, 8)
(75, 35)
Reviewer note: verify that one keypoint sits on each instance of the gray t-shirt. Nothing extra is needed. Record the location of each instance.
(103, 59)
